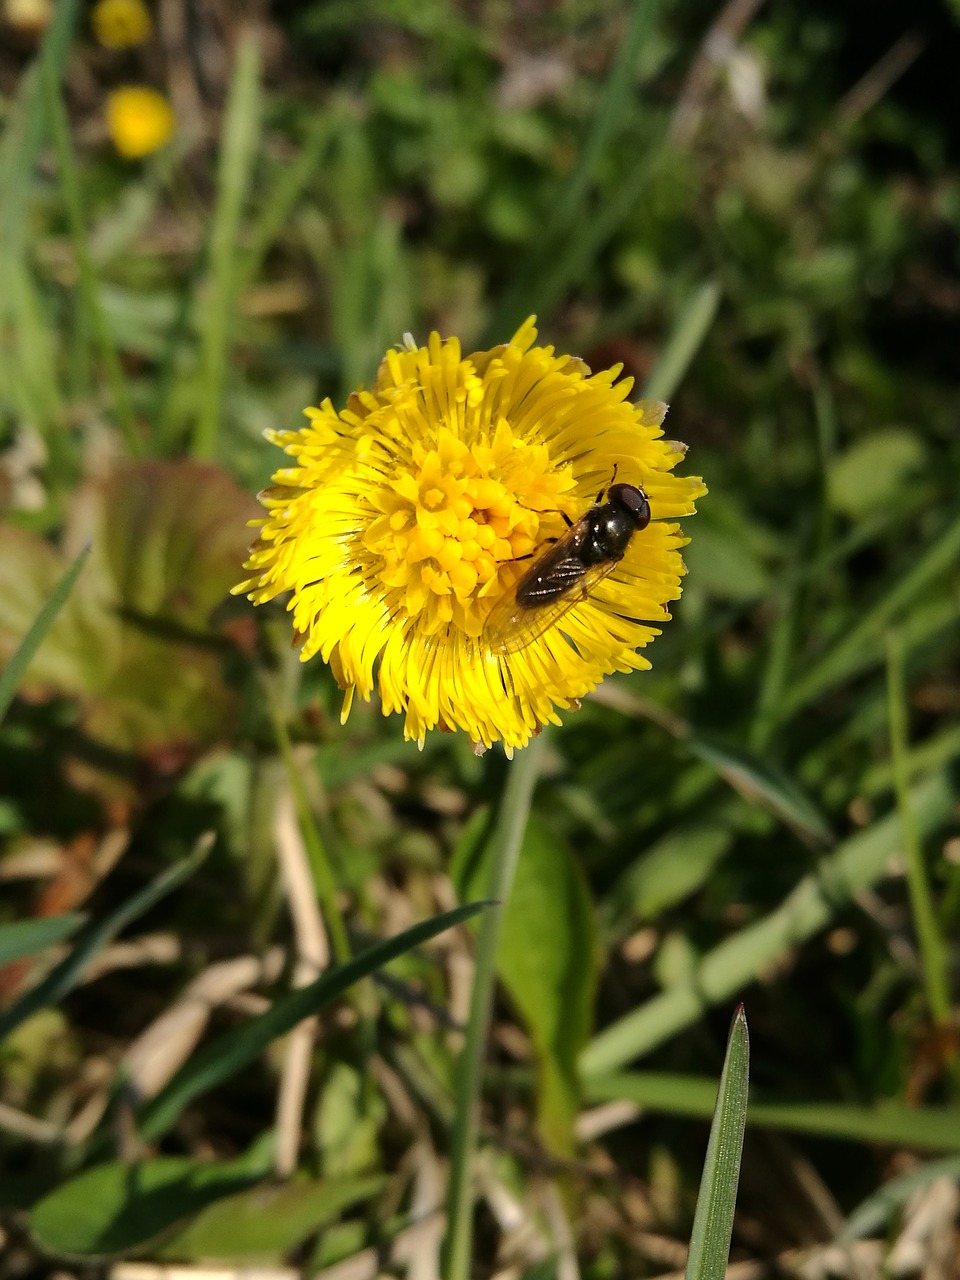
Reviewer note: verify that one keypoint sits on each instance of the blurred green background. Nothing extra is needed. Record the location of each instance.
(755, 209)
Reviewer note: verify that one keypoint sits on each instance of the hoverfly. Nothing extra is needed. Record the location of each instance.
(569, 569)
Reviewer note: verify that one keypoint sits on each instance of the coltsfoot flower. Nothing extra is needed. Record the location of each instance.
(410, 517)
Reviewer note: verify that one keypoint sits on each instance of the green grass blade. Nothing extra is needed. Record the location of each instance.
(865, 637)
(69, 175)
(762, 784)
(569, 242)
(614, 104)
(31, 370)
(872, 1214)
(23, 138)
(713, 1220)
(857, 863)
(691, 327)
(933, 950)
(13, 672)
(64, 976)
(890, 1123)
(241, 130)
(281, 199)
(22, 938)
(223, 1057)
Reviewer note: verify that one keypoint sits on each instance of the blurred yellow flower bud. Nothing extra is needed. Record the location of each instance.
(118, 24)
(139, 120)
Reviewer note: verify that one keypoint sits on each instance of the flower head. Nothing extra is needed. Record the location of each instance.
(121, 24)
(410, 516)
(139, 120)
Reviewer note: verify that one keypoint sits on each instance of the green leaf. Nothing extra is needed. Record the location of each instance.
(226, 1055)
(26, 937)
(115, 1207)
(547, 963)
(263, 1224)
(713, 1221)
(13, 672)
(66, 974)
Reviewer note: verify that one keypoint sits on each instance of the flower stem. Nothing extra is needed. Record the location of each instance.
(521, 779)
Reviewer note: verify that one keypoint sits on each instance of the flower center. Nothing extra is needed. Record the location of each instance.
(451, 516)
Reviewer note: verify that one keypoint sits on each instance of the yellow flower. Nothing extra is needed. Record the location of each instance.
(409, 517)
(139, 120)
(120, 24)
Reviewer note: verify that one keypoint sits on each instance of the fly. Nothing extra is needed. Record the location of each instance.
(569, 569)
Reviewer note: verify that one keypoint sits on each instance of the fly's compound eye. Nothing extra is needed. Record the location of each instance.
(634, 500)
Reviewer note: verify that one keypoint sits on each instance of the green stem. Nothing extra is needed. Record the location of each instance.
(323, 877)
(514, 812)
(932, 951)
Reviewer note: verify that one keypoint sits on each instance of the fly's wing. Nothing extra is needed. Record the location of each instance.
(512, 626)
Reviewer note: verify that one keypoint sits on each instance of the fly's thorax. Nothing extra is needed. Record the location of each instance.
(609, 529)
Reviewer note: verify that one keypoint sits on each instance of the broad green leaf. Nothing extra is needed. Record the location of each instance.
(172, 535)
(261, 1225)
(64, 976)
(221, 1058)
(869, 474)
(713, 1221)
(113, 1208)
(729, 557)
(669, 871)
(347, 1123)
(729, 967)
(134, 642)
(13, 673)
(547, 963)
(22, 938)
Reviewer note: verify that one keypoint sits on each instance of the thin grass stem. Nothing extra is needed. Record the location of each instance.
(241, 128)
(933, 954)
(514, 813)
(89, 291)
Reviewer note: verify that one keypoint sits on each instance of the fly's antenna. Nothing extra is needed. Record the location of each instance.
(613, 481)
